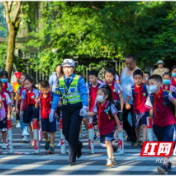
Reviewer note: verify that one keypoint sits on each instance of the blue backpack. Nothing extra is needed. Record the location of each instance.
(145, 90)
(166, 101)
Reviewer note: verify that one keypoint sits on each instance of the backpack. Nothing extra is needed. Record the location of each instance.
(145, 90)
(118, 107)
(166, 101)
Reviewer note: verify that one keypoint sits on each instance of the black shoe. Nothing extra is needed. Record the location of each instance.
(72, 164)
(79, 152)
(95, 136)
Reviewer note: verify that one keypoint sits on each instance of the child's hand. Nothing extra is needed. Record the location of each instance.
(37, 99)
(8, 116)
(17, 110)
(119, 129)
(128, 106)
(20, 114)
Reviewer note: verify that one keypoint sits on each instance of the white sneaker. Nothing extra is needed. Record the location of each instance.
(4, 146)
(18, 125)
(26, 139)
(59, 144)
(6, 140)
(109, 162)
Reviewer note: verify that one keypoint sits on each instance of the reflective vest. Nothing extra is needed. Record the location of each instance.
(70, 95)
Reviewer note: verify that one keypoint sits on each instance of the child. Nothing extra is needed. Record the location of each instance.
(139, 95)
(5, 103)
(107, 120)
(40, 124)
(147, 75)
(173, 79)
(167, 82)
(28, 97)
(115, 87)
(45, 99)
(15, 86)
(7, 87)
(161, 104)
(92, 92)
(25, 130)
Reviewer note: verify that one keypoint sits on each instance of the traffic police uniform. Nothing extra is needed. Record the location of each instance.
(75, 100)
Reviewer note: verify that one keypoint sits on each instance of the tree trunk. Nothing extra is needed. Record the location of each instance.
(10, 50)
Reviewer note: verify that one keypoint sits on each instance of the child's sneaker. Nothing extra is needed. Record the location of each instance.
(109, 163)
(47, 144)
(51, 150)
(114, 162)
(163, 169)
(4, 146)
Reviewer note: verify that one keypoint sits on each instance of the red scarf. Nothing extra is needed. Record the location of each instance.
(28, 96)
(44, 103)
(138, 90)
(167, 88)
(99, 112)
(155, 97)
(5, 87)
(173, 82)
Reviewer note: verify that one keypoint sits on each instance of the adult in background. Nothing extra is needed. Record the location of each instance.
(15, 86)
(161, 69)
(55, 76)
(126, 83)
(53, 82)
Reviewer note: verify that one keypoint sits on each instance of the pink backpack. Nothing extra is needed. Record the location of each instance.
(2, 112)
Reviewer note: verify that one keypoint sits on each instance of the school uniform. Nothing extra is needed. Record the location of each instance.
(30, 112)
(5, 101)
(116, 89)
(106, 123)
(7, 87)
(74, 94)
(139, 97)
(164, 120)
(173, 82)
(92, 94)
(45, 108)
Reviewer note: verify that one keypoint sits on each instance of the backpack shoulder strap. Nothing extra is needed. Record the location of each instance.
(109, 111)
(145, 89)
(151, 98)
(167, 101)
(133, 92)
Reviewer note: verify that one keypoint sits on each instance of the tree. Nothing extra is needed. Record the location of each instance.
(15, 12)
(110, 30)
(12, 14)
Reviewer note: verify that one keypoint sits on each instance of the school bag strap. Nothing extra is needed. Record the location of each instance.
(145, 90)
(118, 107)
(166, 101)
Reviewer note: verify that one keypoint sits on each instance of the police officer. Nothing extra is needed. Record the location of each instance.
(73, 90)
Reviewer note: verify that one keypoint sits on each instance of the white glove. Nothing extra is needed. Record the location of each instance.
(83, 111)
(51, 115)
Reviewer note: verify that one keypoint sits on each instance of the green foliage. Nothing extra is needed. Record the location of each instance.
(3, 54)
(103, 30)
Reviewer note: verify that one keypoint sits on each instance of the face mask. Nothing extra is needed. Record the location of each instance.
(100, 98)
(153, 88)
(146, 79)
(174, 74)
(166, 81)
(4, 80)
